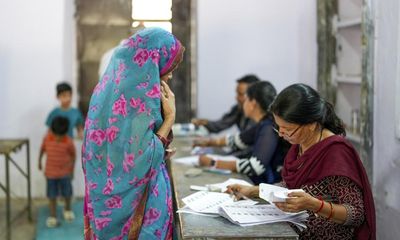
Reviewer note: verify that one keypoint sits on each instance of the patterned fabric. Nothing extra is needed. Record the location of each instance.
(333, 156)
(266, 156)
(74, 116)
(341, 190)
(60, 156)
(127, 187)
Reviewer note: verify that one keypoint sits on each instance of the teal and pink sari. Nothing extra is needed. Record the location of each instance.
(127, 187)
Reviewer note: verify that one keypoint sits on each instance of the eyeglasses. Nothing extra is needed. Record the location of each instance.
(276, 129)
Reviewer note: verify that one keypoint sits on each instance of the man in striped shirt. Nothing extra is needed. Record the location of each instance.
(60, 151)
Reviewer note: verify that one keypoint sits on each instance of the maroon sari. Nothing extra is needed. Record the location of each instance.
(333, 156)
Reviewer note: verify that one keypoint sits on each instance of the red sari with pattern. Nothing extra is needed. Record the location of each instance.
(334, 161)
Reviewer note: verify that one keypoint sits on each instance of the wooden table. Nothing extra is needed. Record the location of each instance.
(199, 227)
(8, 146)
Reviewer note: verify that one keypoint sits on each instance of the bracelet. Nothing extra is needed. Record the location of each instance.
(332, 211)
(162, 139)
(322, 204)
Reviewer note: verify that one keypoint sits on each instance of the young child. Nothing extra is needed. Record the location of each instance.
(60, 151)
(64, 96)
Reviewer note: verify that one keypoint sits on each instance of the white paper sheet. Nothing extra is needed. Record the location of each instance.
(272, 193)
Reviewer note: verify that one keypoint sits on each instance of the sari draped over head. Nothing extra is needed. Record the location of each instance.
(127, 187)
(333, 156)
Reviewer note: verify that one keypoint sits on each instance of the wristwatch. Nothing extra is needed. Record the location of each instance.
(212, 163)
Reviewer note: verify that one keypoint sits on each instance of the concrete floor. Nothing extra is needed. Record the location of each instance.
(21, 227)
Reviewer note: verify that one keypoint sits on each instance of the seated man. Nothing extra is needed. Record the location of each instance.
(235, 115)
(265, 161)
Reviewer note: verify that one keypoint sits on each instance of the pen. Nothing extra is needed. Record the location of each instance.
(239, 196)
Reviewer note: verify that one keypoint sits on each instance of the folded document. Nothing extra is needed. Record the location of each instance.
(273, 193)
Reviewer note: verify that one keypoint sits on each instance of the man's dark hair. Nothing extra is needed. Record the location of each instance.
(59, 125)
(63, 87)
(249, 79)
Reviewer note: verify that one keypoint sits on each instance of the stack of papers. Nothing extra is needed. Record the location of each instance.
(272, 193)
(194, 160)
(207, 202)
(243, 213)
(260, 214)
(222, 187)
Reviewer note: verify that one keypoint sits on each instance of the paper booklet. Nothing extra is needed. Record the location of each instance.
(260, 214)
(273, 193)
(243, 213)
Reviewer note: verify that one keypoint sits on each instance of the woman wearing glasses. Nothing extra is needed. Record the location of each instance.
(267, 149)
(325, 165)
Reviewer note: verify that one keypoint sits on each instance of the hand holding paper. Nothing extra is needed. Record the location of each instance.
(273, 194)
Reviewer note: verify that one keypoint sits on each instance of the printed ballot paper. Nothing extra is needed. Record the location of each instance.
(244, 212)
(272, 193)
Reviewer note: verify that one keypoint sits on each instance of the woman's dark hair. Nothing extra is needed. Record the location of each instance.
(63, 87)
(59, 125)
(301, 104)
(263, 92)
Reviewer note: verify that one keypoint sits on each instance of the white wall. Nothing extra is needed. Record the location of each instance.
(36, 52)
(386, 169)
(275, 39)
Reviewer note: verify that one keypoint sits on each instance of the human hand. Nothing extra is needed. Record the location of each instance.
(242, 191)
(168, 102)
(205, 161)
(298, 201)
(201, 142)
(199, 122)
(169, 152)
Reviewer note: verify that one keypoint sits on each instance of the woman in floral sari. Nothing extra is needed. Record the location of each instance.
(128, 127)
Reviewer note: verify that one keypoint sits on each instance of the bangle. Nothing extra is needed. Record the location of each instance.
(332, 211)
(162, 139)
(322, 204)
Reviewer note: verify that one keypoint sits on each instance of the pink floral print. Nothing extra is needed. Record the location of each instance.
(112, 120)
(110, 167)
(155, 190)
(92, 185)
(151, 216)
(119, 106)
(122, 155)
(141, 57)
(135, 102)
(164, 51)
(155, 56)
(112, 133)
(101, 85)
(109, 187)
(97, 136)
(102, 222)
(142, 108)
(120, 71)
(154, 92)
(142, 85)
(125, 229)
(128, 162)
(114, 202)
